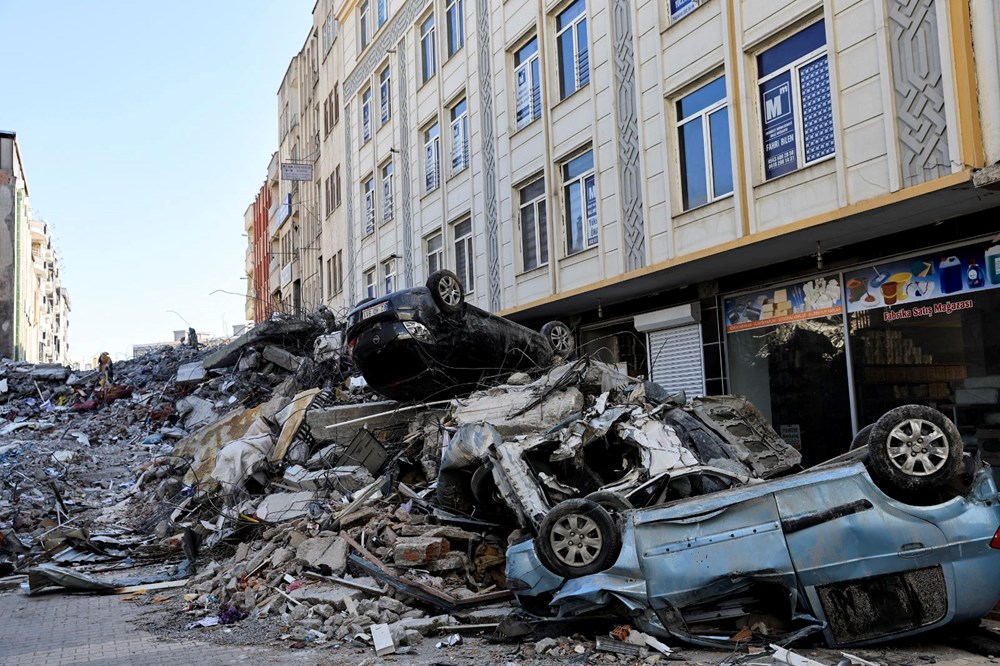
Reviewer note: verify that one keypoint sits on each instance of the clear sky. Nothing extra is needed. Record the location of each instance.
(146, 129)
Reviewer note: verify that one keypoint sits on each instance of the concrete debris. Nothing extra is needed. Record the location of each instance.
(270, 482)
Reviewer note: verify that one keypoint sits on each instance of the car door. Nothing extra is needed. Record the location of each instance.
(867, 566)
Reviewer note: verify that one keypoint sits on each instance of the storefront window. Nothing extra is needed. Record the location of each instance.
(786, 354)
(924, 330)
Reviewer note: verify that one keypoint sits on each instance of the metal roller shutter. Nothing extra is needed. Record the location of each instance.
(675, 359)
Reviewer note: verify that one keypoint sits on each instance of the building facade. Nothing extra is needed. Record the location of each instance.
(259, 304)
(34, 305)
(789, 199)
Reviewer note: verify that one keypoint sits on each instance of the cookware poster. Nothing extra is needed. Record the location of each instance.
(948, 278)
(819, 297)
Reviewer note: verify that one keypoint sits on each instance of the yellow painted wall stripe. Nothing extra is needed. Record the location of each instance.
(963, 61)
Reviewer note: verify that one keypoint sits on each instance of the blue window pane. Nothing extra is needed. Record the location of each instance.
(567, 64)
(578, 165)
(702, 98)
(526, 51)
(570, 13)
(790, 50)
(694, 188)
(817, 112)
(722, 157)
(679, 8)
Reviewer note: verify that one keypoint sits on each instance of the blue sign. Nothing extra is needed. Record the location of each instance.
(779, 126)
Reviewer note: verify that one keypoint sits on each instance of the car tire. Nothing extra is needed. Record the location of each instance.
(446, 290)
(861, 439)
(612, 502)
(914, 447)
(578, 538)
(559, 338)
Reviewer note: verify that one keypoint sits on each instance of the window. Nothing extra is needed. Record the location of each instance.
(387, 208)
(435, 253)
(703, 143)
(327, 116)
(527, 84)
(328, 194)
(464, 255)
(385, 94)
(336, 103)
(574, 58)
(534, 225)
(389, 275)
(329, 33)
(336, 187)
(456, 25)
(383, 12)
(579, 191)
(428, 59)
(329, 277)
(460, 136)
(432, 160)
(321, 282)
(370, 291)
(364, 23)
(369, 188)
(681, 8)
(366, 115)
(337, 273)
(796, 113)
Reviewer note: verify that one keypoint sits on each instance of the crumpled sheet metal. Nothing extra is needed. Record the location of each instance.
(469, 445)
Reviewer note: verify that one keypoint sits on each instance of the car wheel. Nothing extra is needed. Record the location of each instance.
(612, 502)
(914, 447)
(560, 338)
(446, 290)
(578, 538)
(861, 439)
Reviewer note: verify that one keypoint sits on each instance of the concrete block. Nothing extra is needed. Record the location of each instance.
(495, 408)
(282, 358)
(419, 550)
(382, 639)
(331, 551)
(190, 374)
(371, 415)
(334, 595)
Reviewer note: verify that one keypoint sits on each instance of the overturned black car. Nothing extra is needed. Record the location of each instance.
(428, 342)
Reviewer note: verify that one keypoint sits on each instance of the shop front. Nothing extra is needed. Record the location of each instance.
(825, 356)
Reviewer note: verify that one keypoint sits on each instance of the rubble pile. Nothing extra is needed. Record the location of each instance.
(261, 482)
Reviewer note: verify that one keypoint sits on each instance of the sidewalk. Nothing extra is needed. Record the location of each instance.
(53, 630)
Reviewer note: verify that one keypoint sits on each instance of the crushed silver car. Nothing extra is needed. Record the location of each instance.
(897, 537)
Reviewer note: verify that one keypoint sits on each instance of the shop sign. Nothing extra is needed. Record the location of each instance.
(819, 297)
(779, 126)
(792, 434)
(948, 278)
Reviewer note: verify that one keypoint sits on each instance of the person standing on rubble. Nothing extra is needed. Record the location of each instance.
(107, 370)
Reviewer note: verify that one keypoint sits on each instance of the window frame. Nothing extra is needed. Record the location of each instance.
(459, 123)
(428, 48)
(567, 184)
(371, 286)
(536, 204)
(703, 116)
(435, 255)
(381, 13)
(388, 199)
(432, 144)
(336, 188)
(793, 68)
(385, 94)
(365, 24)
(455, 18)
(336, 103)
(366, 114)
(579, 80)
(532, 68)
(368, 196)
(389, 275)
(468, 240)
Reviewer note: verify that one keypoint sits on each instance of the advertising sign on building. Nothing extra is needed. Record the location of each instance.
(949, 278)
(819, 297)
(296, 171)
(779, 126)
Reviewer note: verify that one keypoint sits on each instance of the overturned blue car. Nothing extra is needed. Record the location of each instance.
(896, 537)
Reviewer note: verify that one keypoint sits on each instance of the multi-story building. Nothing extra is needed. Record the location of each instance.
(34, 306)
(259, 305)
(789, 199)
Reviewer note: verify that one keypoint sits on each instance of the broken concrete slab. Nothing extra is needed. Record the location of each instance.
(196, 411)
(328, 347)
(203, 446)
(190, 374)
(284, 506)
(343, 479)
(291, 418)
(370, 415)
(266, 331)
(282, 358)
(333, 594)
(328, 551)
(508, 410)
(50, 372)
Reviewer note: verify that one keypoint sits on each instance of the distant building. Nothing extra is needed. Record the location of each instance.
(34, 306)
(259, 304)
